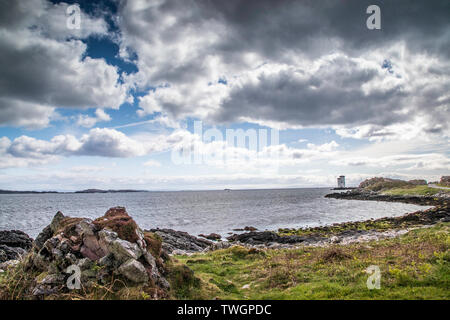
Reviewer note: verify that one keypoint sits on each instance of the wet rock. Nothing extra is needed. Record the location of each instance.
(134, 271)
(14, 244)
(211, 236)
(246, 228)
(361, 194)
(16, 239)
(264, 237)
(181, 241)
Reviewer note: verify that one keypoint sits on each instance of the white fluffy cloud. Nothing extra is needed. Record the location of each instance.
(44, 68)
(88, 122)
(100, 142)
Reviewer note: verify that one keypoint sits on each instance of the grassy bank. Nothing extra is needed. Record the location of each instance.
(415, 191)
(413, 266)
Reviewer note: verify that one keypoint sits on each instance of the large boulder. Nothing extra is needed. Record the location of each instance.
(103, 249)
(134, 271)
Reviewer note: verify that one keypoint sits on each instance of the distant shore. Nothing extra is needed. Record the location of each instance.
(80, 191)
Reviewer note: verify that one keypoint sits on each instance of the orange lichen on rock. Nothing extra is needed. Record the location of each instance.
(67, 226)
(118, 220)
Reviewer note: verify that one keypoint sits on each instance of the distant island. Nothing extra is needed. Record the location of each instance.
(81, 191)
(108, 191)
(25, 192)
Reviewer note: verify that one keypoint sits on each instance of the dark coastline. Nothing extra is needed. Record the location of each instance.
(440, 212)
(373, 196)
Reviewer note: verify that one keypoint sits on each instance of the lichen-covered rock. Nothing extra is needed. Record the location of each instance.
(109, 247)
(124, 250)
(134, 271)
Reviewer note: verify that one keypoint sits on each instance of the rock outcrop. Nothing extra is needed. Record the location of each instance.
(13, 244)
(180, 242)
(211, 236)
(267, 238)
(375, 196)
(110, 247)
(380, 183)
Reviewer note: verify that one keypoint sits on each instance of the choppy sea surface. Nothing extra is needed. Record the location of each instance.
(198, 211)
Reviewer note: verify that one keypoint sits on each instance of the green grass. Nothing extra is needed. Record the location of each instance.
(416, 190)
(414, 266)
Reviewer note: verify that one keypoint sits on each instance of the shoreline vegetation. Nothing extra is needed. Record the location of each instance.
(328, 262)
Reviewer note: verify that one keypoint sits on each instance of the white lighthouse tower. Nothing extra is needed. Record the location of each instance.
(341, 182)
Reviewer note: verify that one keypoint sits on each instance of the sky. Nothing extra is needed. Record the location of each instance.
(189, 95)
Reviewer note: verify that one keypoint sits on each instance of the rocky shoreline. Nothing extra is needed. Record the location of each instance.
(375, 196)
(114, 246)
(15, 243)
(181, 243)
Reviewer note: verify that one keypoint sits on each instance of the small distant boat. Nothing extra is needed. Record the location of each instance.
(227, 190)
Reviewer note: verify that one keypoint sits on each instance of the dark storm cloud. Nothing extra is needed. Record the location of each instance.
(332, 96)
(175, 39)
(273, 26)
